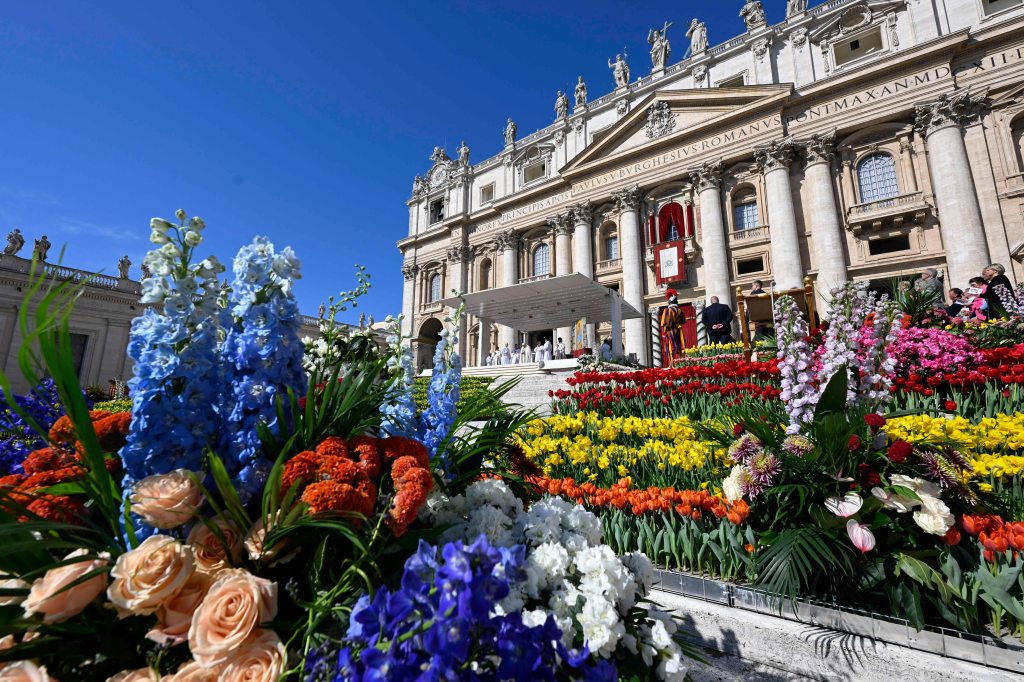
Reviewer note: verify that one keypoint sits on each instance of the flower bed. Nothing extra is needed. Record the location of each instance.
(246, 520)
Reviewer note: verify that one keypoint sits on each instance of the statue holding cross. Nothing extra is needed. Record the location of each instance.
(660, 47)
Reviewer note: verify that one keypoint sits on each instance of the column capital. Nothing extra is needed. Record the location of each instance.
(410, 270)
(707, 176)
(627, 199)
(774, 155)
(957, 109)
(459, 253)
(820, 148)
(583, 212)
(562, 224)
(507, 240)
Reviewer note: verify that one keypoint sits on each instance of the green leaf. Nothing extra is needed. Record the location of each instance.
(833, 398)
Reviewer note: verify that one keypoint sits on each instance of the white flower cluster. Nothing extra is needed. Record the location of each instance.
(570, 574)
(934, 516)
(177, 282)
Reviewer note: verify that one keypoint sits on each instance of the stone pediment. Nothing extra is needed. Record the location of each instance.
(672, 115)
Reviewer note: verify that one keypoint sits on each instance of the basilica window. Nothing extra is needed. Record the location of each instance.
(541, 260)
(434, 284)
(1017, 133)
(611, 245)
(749, 266)
(990, 7)
(436, 211)
(487, 193)
(876, 178)
(737, 81)
(535, 172)
(485, 274)
(744, 210)
(851, 49)
(879, 247)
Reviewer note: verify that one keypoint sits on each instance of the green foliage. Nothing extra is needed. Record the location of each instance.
(918, 303)
(119, 405)
(471, 389)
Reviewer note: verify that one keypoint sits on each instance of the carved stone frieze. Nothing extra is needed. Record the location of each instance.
(622, 107)
(760, 47)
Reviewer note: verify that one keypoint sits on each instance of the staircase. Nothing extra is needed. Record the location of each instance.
(535, 381)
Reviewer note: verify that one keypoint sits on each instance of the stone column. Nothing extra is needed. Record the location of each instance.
(960, 223)
(827, 237)
(562, 225)
(483, 344)
(583, 249)
(508, 245)
(707, 182)
(410, 271)
(458, 262)
(631, 251)
(774, 160)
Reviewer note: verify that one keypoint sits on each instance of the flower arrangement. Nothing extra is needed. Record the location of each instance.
(929, 351)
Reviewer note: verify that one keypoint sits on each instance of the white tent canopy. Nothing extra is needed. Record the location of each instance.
(547, 303)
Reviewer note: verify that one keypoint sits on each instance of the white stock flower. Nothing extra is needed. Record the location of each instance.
(601, 625)
(158, 237)
(193, 238)
(641, 568)
(170, 250)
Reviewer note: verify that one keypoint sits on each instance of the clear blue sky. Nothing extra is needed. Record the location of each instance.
(305, 121)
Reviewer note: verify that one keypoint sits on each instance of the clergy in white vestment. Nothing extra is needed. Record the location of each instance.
(506, 355)
(515, 355)
(547, 350)
(559, 350)
(526, 355)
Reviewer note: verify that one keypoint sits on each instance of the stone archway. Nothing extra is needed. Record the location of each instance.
(426, 343)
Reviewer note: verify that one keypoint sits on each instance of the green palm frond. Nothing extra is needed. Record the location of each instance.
(798, 558)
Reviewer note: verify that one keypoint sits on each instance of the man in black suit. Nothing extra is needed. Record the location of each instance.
(717, 319)
(756, 288)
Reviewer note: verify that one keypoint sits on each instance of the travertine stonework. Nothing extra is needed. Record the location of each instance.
(859, 139)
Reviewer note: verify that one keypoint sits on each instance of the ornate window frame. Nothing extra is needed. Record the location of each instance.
(855, 21)
(529, 158)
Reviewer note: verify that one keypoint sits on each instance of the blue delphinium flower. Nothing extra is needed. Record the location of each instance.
(442, 396)
(442, 624)
(262, 356)
(398, 410)
(43, 405)
(177, 376)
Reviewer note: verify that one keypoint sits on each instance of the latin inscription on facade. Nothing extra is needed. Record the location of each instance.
(991, 62)
(535, 206)
(875, 94)
(682, 153)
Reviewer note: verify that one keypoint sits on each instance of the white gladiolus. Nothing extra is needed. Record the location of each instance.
(193, 238)
(170, 250)
(159, 225)
(158, 237)
(196, 223)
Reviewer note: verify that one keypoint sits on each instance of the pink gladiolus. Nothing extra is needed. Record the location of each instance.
(860, 535)
(845, 506)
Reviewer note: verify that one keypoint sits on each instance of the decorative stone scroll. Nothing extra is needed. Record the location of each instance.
(959, 108)
(627, 199)
(707, 176)
(507, 241)
(820, 148)
(777, 154)
(583, 212)
(410, 270)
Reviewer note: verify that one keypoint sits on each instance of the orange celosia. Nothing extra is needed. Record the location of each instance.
(44, 459)
(299, 469)
(397, 446)
(60, 508)
(323, 496)
(366, 450)
(333, 446)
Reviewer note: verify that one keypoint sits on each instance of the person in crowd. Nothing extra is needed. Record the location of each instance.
(717, 318)
(546, 350)
(995, 275)
(606, 349)
(757, 287)
(956, 303)
(506, 355)
(559, 349)
(974, 298)
(526, 354)
(516, 353)
(928, 281)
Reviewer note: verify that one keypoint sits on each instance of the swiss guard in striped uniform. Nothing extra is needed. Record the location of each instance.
(671, 323)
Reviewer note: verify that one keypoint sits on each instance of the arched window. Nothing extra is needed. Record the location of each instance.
(435, 287)
(485, 274)
(673, 233)
(876, 177)
(610, 243)
(541, 260)
(744, 210)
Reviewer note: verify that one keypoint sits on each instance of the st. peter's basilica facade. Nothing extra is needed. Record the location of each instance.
(856, 140)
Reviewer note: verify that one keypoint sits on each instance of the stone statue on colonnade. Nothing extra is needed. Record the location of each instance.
(752, 13)
(698, 35)
(15, 242)
(561, 106)
(510, 133)
(620, 69)
(794, 7)
(463, 154)
(42, 248)
(660, 47)
(123, 266)
(581, 93)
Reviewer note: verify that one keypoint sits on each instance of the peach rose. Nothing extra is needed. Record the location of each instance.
(12, 584)
(257, 552)
(231, 611)
(140, 675)
(7, 642)
(175, 616)
(193, 672)
(261, 659)
(24, 671)
(167, 500)
(149, 575)
(52, 596)
(215, 553)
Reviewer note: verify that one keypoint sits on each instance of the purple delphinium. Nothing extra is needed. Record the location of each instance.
(841, 340)
(797, 382)
(876, 365)
(441, 623)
